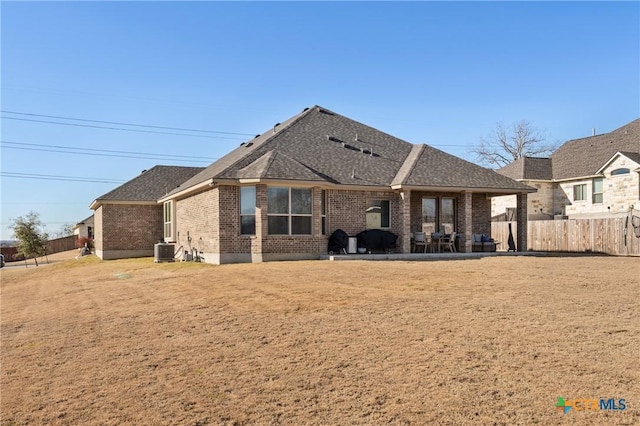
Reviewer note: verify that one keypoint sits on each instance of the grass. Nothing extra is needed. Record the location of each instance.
(495, 340)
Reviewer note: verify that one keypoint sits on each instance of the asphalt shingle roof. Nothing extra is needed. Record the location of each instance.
(528, 168)
(151, 185)
(584, 157)
(318, 144)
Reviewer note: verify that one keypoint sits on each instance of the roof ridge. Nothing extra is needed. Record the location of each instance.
(408, 164)
(272, 137)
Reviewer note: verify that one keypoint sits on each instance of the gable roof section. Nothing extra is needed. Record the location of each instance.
(279, 166)
(435, 168)
(322, 146)
(533, 168)
(633, 156)
(584, 157)
(148, 186)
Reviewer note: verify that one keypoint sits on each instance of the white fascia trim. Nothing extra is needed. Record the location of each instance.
(98, 203)
(458, 189)
(206, 184)
(578, 178)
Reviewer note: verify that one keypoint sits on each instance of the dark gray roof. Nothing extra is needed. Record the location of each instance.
(437, 168)
(320, 145)
(528, 168)
(151, 185)
(276, 165)
(584, 157)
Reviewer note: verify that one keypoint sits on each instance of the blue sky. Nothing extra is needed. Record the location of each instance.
(428, 72)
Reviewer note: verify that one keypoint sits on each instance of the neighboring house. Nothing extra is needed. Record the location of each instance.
(84, 228)
(128, 221)
(590, 177)
(282, 194)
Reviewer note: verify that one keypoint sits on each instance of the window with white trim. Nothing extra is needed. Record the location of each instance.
(289, 210)
(598, 185)
(622, 171)
(248, 210)
(168, 221)
(323, 211)
(580, 192)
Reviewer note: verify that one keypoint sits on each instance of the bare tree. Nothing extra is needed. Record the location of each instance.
(505, 145)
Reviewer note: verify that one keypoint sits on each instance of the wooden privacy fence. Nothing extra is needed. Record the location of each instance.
(62, 244)
(575, 235)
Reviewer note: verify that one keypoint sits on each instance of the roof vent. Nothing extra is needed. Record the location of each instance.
(257, 136)
(242, 143)
(353, 174)
(248, 145)
(306, 109)
(324, 111)
(144, 171)
(274, 127)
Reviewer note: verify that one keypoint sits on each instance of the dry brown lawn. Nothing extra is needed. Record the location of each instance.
(488, 341)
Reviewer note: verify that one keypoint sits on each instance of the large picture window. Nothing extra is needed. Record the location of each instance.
(597, 190)
(289, 211)
(378, 214)
(248, 210)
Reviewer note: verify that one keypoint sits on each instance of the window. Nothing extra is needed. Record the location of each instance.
(248, 210)
(597, 190)
(289, 211)
(377, 214)
(323, 211)
(429, 215)
(168, 221)
(580, 192)
(439, 215)
(90, 231)
(448, 215)
(622, 171)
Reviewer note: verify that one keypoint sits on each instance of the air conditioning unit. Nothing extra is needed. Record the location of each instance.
(163, 252)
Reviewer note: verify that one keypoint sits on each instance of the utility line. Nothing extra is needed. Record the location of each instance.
(103, 155)
(58, 177)
(120, 128)
(125, 124)
(104, 152)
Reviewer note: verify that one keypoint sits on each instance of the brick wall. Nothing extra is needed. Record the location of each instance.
(197, 222)
(481, 221)
(131, 227)
(98, 233)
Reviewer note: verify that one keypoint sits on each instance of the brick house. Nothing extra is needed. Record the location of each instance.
(590, 177)
(128, 220)
(282, 194)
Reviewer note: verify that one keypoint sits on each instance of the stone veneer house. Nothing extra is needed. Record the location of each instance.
(128, 221)
(590, 177)
(282, 194)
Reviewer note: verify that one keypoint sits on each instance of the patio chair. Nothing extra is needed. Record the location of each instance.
(448, 242)
(420, 240)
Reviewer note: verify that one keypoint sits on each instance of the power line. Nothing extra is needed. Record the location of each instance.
(119, 128)
(58, 177)
(104, 152)
(125, 124)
